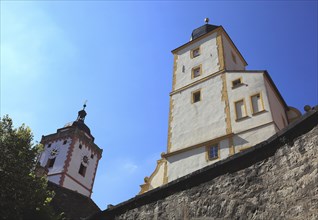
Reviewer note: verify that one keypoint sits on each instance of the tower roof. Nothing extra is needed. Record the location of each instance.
(204, 29)
(79, 122)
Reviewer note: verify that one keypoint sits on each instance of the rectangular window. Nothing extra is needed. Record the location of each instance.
(195, 52)
(213, 152)
(82, 170)
(233, 57)
(257, 103)
(196, 71)
(240, 109)
(236, 83)
(196, 96)
(50, 162)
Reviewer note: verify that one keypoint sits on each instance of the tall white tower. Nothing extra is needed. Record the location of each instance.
(71, 156)
(217, 108)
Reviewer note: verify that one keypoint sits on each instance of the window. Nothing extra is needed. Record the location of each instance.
(236, 83)
(48, 146)
(240, 109)
(196, 96)
(196, 71)
(80, 146)
(65, 142)
(82, 170)
(233, 57)
(257, 103)
(195, 52)
(213, 152)
(50, 162)
(92, 156)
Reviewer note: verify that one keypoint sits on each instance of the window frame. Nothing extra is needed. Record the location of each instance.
(193, 94)
(49, 163)
(208, 150)
(238, 85)
(245, 110)
(195, 68)
(192, 52)
(262, 103)
(82, 170)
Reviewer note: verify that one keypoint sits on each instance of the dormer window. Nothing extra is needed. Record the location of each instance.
(195, 52)
(65, 142)
(196, 71)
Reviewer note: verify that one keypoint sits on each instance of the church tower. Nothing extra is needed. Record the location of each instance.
(71, 156)
(217, 107)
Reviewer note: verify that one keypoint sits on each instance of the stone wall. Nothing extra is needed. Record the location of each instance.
(277, 179)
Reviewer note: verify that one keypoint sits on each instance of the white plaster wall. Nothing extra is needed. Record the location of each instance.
(276, 107)
(60, 158)
(208, 58)
(254, 83)
(157, 180)
(187, 162)
(72, 185)
(198, 122)
(253, 137)
(75, 163)
(55, 179)
(229, 63)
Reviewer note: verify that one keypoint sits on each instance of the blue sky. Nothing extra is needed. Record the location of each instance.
(116, 55)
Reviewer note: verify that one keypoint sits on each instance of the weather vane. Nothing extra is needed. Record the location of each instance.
(84, 106)
(206, 20)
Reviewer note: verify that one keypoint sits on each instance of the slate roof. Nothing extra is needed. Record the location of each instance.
(74, 205)
(204, 29)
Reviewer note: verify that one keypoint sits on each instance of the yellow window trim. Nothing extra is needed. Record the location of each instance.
(246, 116)
(207, 151)
(194, 68)
(244, 148)
(262, 103)
(192, 95)
(192, 54)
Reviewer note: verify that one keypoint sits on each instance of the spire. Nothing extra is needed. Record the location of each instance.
(82, 113)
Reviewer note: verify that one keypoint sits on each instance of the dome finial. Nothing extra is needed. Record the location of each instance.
(206, 20)
(84, 106)
(82, 113)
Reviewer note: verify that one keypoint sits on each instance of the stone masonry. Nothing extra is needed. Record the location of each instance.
(277, 179)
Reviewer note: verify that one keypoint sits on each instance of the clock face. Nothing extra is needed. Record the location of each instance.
(85, 160)
(54, 152)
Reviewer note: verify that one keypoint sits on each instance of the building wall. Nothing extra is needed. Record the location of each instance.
(276, 106)
(253, 83)
(76, 160)
(230, 62)
(73, 185)
(254, 136)
(158, 178)
(198, 122)
(189, 161)
(208, 58)
(60, 158)
(55, 178)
